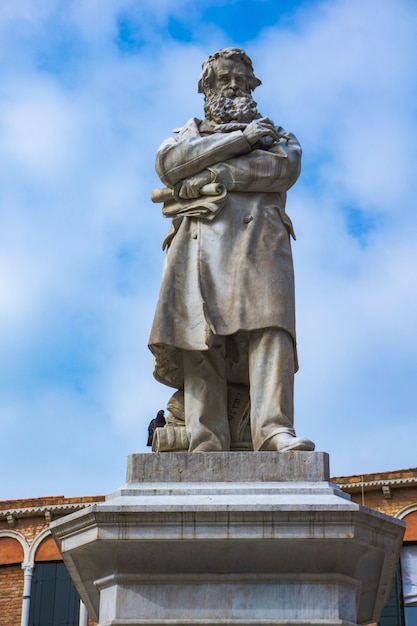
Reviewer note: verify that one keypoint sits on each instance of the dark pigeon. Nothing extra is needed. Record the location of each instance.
(157, 422)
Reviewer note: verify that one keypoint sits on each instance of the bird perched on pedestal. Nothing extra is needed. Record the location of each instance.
(157, 422)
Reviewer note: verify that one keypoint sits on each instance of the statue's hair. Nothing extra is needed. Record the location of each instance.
(206, 79)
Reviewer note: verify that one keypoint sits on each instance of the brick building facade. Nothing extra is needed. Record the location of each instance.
(27, 550)
(35, 588)
(393, 493)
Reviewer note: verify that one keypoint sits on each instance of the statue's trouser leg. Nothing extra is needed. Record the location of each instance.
(271, 376)
(205, 398)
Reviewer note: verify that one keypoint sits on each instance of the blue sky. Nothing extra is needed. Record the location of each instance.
(89, 90)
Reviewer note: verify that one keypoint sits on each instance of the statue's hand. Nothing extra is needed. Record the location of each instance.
(190, 187)
(262, 127)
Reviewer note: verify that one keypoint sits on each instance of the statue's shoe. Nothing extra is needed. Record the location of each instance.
(284, 442)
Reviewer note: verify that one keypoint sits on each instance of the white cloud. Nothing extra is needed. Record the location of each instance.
(39, 130)
(346, 89)
(80, 240)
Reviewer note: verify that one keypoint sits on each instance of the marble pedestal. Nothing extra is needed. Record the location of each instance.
(238, 538)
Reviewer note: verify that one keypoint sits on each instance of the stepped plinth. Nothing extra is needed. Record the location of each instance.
(236, 538)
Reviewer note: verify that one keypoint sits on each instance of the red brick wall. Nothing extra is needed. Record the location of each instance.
(29, 527)
(400, 498)
(11, 592)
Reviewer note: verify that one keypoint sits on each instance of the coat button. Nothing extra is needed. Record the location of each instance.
(194, 234)
(248, 219)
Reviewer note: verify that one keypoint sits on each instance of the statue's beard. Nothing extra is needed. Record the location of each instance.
(225, 107)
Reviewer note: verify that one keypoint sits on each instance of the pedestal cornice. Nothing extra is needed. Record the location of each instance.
(171, 546)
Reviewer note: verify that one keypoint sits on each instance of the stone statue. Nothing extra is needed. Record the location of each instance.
(224, 328)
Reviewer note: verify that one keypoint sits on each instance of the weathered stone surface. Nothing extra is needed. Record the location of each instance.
(257, 551)
(228, 467)
(225, 317)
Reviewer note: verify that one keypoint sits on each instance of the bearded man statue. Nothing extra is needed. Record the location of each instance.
(225, 318)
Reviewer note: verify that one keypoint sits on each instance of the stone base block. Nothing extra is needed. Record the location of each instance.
(236, 538)
(227, 467)
(229, 598)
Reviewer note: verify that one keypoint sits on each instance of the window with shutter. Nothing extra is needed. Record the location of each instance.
(54, 600)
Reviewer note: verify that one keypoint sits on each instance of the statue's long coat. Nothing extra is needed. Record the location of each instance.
(234, 272)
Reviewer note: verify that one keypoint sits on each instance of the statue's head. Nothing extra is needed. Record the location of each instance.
(227, 81)
(224, 57)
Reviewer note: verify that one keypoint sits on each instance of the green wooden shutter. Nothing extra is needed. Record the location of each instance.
(54, 600)
(393, 612)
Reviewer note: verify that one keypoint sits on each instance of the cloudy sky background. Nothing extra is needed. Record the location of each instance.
(89, 90)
